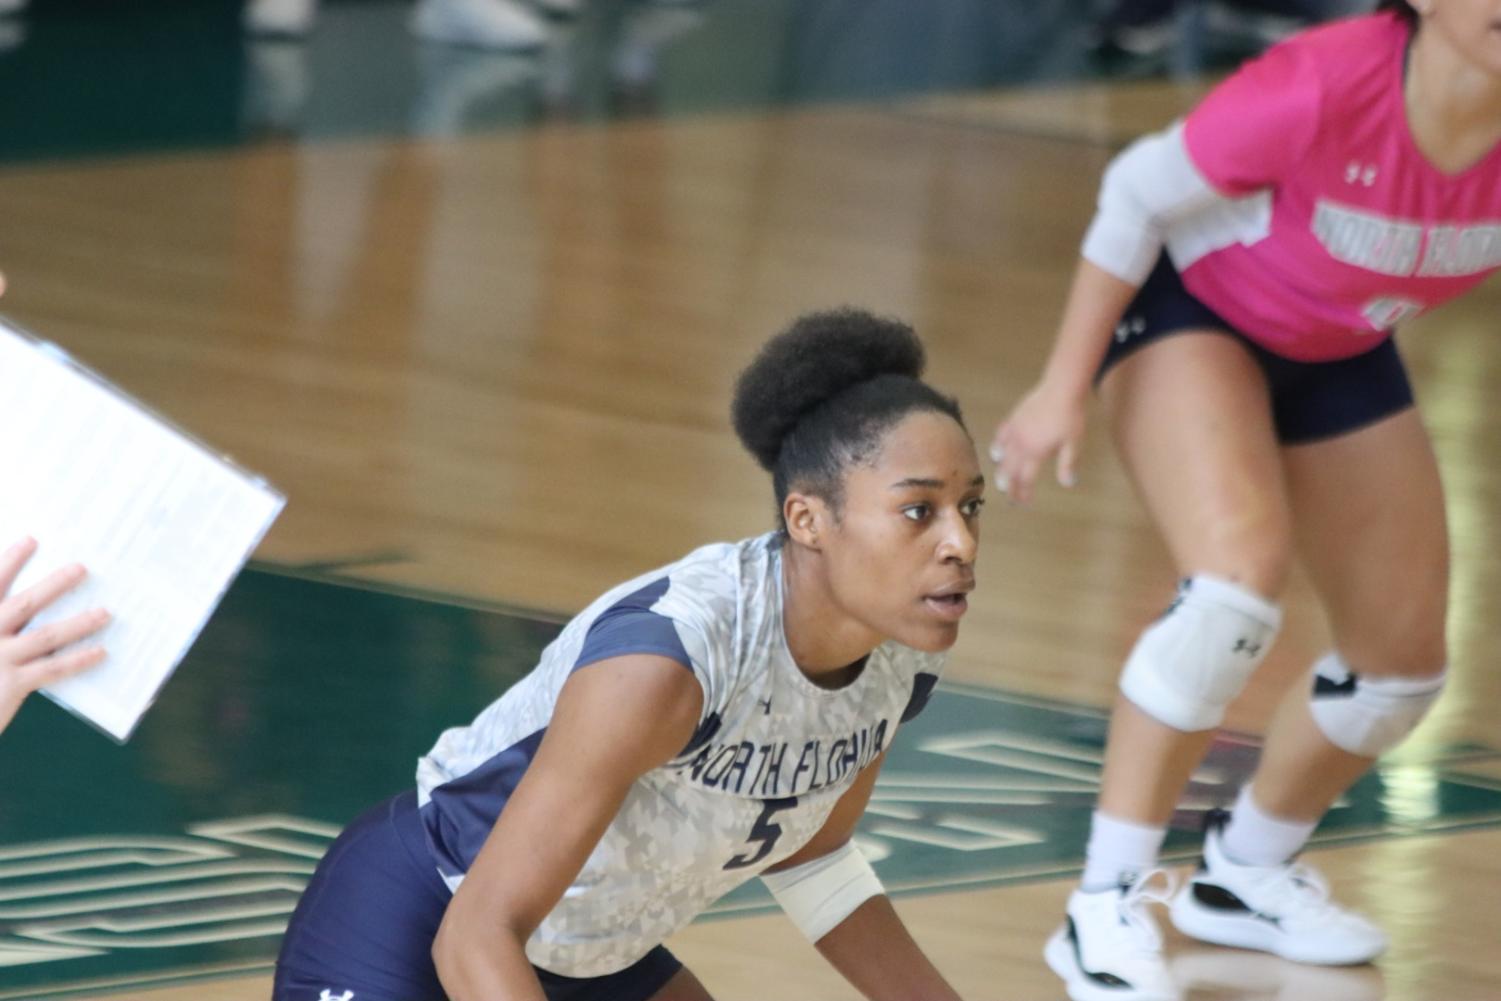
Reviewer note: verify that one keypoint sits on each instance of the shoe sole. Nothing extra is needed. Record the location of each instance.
(1253, 933)
(1059, 956)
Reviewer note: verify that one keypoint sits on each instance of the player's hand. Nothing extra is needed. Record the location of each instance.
(42, 656)
(1045, 423)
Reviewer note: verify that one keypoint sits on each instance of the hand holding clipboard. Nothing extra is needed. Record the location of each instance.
(40, 657)
(162, 522)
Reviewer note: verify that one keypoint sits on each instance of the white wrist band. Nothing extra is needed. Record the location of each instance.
(817, 895)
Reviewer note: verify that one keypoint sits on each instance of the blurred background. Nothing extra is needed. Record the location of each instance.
(87, 76)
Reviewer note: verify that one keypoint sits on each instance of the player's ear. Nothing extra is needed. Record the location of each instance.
(807, 519)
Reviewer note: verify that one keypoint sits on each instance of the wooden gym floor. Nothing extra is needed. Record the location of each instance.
(496, 367)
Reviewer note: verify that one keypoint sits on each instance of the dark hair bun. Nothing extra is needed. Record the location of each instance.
(814, 360)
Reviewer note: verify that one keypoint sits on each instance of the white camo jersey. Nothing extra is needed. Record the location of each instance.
(771, 756)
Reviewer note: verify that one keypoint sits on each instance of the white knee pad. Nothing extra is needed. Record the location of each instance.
(1368, 716)
(1190, 663)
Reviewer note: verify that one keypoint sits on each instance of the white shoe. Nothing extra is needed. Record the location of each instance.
(1281, 909)
(1109, 948)
(484, 24)
(282, 18)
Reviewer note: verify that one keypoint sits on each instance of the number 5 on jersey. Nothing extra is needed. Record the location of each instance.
(763, 832)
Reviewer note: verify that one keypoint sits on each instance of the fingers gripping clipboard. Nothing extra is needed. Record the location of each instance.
(161, 521)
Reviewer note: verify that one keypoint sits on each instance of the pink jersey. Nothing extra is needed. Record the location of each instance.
(1342, 227)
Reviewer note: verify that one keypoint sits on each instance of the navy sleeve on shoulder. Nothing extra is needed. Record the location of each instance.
(630, 626)
(922, 691)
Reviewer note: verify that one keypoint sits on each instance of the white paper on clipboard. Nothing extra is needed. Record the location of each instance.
(162, 523)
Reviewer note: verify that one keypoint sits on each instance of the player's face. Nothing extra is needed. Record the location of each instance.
(902, 557)
(1472, 28)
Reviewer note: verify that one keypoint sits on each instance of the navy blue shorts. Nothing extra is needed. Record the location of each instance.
(1310, 400)
(367, 920)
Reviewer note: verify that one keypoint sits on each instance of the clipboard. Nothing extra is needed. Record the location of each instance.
(162, 522)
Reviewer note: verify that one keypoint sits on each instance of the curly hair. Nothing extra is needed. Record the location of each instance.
(820, 396)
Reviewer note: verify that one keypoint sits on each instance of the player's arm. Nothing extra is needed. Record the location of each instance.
(1150, 186)
(1252, 130)
(615, 720)
(1146, 188)
(831, 893)
(1243, 138)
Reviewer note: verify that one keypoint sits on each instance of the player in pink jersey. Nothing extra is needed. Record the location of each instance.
(1234, 306)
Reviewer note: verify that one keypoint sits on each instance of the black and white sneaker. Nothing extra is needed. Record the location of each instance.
(1281, 909)
(1110, 948)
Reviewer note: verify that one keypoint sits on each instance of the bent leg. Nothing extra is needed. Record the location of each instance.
(1371, 528)
(1192, 422)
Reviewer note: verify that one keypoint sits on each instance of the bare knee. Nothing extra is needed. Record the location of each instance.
(1401, 636)
(1409, 654)
(1253, 550)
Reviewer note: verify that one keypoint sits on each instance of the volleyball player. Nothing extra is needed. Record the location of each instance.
(721, 718)
(1235, 304)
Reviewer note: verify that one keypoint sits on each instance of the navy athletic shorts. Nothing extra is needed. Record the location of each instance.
(367, 920)
(1310, 400)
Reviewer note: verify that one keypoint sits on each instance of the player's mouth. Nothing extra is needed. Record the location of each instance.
(951, 602)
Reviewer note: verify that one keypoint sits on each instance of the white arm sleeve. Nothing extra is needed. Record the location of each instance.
(818, 895)
(1150, 185)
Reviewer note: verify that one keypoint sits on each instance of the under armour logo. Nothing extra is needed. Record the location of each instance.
(765, 705)
(1128, 328)
(1365, 173)
(328, 995)
(1245, 646)
(1386, 312)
